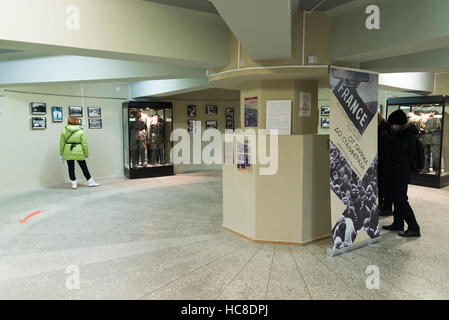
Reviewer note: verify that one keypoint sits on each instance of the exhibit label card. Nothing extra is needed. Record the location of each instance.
(305, 104)
(279, 116)
(353, 156)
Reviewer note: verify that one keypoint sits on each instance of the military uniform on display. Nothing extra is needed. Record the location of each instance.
(431, 140)
(138, 132)
(156, 141)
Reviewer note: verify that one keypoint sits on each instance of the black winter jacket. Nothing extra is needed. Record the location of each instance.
(400, 150)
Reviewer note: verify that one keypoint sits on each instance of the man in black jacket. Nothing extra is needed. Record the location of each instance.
(385, 200)
(400, 149)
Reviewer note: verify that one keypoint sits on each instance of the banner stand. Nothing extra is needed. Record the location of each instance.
(331, 252)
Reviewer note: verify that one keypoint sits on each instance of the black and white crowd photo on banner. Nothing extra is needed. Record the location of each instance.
(359, 197)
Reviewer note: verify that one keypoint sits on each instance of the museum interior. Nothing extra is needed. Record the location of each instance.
(137, 75)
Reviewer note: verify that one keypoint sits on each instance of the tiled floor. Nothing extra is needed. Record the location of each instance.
(162, 239)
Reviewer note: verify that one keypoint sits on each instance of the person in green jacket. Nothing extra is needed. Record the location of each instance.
(73, 146)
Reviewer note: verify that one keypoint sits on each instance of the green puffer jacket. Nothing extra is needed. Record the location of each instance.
(73, 134)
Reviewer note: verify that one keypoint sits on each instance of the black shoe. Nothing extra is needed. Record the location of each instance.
(410, 233)
(393, 228)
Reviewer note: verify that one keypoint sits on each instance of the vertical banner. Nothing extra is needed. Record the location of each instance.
(353, 158)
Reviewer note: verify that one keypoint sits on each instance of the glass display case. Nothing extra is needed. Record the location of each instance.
(147, 126)
(429, 115)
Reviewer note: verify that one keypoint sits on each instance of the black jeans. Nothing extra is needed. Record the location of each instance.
(82, 164)
(402, 209)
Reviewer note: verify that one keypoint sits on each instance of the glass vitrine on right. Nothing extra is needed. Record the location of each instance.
(428, 113)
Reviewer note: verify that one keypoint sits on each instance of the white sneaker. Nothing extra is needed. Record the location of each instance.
(92, 183)
(74, 184)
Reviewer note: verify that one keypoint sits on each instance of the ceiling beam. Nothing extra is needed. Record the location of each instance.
(82, 69)
(132, 30)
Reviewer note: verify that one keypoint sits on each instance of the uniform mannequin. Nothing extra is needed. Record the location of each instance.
(138, 136)
(446, 142)
(431, 142)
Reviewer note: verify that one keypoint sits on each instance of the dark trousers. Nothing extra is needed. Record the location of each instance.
(402, 209)
(82, 164)
(385, 198)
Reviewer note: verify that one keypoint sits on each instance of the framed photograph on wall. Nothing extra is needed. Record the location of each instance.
(75, 111)
(325, 111)
(95, 124)
(191, 111)
(191, 126)
(229, 112)
(211, 109)
(38, 123)
(211, 124)
(229, 124)
(94, 112)
(325, 123)
(57, 114)
(38, 108)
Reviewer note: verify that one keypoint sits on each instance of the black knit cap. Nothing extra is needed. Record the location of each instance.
(398, 117)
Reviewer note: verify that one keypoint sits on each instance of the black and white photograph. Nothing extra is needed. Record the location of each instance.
(95, 123)
(229, 125)
(38, 123)
(325, 123)
(94, 112)
(191, 126)
(359, 197)
(57, 114)
(211, 110)
(38, 108)
(75, 111)
(229, 112)
(211, 124)
(191, 111)
(325, 111)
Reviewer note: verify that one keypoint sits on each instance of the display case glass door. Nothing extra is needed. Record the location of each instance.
(147, 130)
(428, 115)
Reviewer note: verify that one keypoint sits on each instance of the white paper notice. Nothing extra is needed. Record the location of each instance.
(305, 104)
(279, 116)
(229, 152)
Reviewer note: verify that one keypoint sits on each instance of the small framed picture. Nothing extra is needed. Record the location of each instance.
(191, 126)
(38, 123)
(95, 124)
(210, 109)
(325, 111)
(38, 108)
(325, 123)
(229, 124)
(211, 124)
(94, 112)
(191, 111)
(56, 114)
(75, 111)
(229, 112)
(80, 121)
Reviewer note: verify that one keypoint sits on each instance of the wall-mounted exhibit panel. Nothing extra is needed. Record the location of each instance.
(429, 115)
(147, 126)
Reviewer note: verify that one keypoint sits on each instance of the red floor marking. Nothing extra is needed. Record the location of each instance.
(31, 215)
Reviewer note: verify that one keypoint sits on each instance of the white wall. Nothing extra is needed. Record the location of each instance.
(30, 158)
